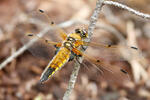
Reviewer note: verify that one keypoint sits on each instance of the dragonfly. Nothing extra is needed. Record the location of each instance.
(72, 47)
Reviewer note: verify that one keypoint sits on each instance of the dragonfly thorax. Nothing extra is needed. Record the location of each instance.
(68, 45)
(71, 39)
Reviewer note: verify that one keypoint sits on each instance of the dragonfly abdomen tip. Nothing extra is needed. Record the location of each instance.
(49, 71)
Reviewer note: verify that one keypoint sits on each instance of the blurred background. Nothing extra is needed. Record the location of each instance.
(19, 79)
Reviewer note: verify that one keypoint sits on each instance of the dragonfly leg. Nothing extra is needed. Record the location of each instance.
(57, 47)
(77, 52)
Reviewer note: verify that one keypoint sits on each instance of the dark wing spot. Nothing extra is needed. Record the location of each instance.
(109, 45)
(97, 60)
(30, 34)
(134, 48)
(52, 23)
(41, 11)
(46, 41)
(125, 72)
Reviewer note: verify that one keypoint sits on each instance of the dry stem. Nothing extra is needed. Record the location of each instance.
(147, 16)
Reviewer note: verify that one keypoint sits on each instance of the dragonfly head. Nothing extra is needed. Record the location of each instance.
(83, 33)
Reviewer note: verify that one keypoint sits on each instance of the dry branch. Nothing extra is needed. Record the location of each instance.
(147, 16)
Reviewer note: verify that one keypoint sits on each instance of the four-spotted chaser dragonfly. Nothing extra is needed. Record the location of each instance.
(70, 49)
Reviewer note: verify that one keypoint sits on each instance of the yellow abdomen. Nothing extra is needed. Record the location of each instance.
(56, 63)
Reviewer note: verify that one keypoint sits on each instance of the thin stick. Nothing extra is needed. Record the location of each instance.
(94, 17)
(147, 16)
(26, 46)
(72, 80)
(76, 67)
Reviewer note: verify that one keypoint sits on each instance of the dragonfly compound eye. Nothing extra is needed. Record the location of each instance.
(83, 32)
(77, 30)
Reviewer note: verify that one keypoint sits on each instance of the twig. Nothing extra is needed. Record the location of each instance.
(76, 67)
(72, 80)
(26, 46)
(94, 17)
(147, 16)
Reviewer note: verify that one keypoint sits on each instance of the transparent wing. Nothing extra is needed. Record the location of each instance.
(113, 52)
(102, 70)
(42, 19)
(42, 48)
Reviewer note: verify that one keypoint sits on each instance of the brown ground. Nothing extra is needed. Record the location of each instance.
(19, 79)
